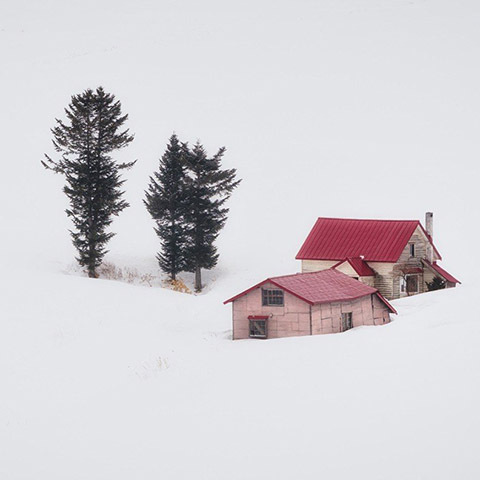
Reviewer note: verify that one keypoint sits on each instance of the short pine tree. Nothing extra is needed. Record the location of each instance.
(93, 130)
(437, 283)
(165, 200)
(209, 188)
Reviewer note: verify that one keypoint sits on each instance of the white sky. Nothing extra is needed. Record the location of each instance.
(363, 109)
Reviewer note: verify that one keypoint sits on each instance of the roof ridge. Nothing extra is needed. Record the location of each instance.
(331, 286)
(368, 219)
(305, 273)
(378, 240)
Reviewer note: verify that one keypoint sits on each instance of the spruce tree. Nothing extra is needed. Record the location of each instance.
(92, 131)
(166, 202)
(209, 187)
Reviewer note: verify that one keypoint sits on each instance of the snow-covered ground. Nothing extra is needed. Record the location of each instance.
(145, 383)
(361, 108)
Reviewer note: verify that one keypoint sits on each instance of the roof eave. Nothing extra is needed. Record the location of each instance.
(386, 302)
(248, 290)
(341, 260)
(434, 268)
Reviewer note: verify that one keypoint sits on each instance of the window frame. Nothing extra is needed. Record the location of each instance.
(412, 249)
(268, 296)
(252, 323)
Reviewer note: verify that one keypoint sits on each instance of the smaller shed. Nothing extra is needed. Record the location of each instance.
(314, 303)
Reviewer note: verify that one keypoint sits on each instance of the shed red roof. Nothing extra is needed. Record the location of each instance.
(359, 265)
(320, 287)
(443, 273)
(375, 240)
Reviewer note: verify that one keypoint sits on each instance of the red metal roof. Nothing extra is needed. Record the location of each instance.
(374, 240)
(320, 287)
(258, 317)
(443, 273)
(359, 265)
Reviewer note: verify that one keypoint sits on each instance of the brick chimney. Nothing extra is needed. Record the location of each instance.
(429, 229)
(429, 223)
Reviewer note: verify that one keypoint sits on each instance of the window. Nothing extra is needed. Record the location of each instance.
(272, 297)
(347, 321)
(409, 284)
(412, 283)
(412, 249)
(258, 328)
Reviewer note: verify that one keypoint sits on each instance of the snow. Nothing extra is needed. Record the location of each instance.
(143, 382)
(334, 108)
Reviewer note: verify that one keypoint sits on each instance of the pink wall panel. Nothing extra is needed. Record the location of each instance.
(297, 318)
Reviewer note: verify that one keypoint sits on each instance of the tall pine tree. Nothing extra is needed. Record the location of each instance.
(209, 187)
(93, 130)
(165, 200)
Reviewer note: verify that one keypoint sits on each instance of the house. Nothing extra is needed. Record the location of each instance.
(397, 257)
(328, 301)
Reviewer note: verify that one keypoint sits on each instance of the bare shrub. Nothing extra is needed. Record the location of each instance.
(130, 275)
(177, 285)
(110, 271)
(147, 279)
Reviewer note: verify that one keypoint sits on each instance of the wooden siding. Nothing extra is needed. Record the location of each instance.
(428, 275)
(347, 269)
(370, 281)
(383, 280)
(406, 262)
(418, 239)
(317, 265)
(388, 275)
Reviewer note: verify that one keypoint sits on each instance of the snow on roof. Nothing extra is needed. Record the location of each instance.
(320, 287)
(374, 240)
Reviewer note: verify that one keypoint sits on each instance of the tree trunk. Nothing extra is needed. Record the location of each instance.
(91, 271)
(91, 251)
(198, 279)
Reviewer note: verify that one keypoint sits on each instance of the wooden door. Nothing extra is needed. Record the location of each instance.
(347, 321)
